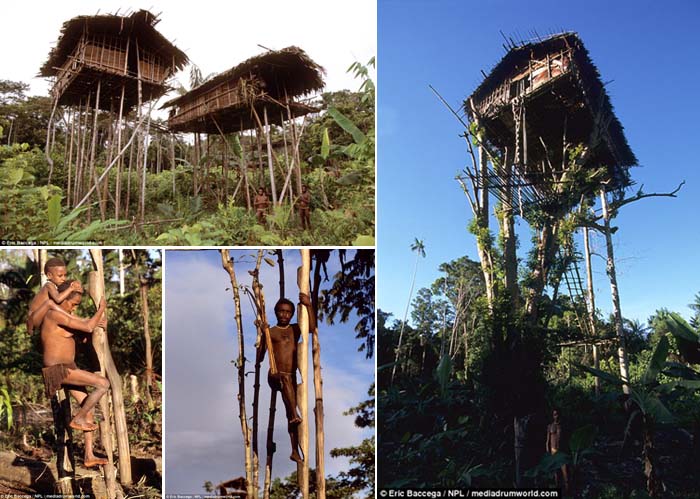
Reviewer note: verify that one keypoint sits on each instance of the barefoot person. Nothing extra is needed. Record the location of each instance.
(305, 207)
(553, 445)
(48, 297)
(261, 204)
(57, 337)
(284, 337)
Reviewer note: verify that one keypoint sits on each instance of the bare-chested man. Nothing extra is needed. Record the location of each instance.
(284, 337)
(261, 203)
(48, 298)
(57, 337)
(305, 207)
(553, 444)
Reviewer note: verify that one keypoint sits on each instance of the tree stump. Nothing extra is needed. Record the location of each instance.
(65, 458)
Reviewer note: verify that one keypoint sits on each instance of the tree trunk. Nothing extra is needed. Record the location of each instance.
(227, 263)
(122, 269)
(143, 290)
(318, 391)
(651, 472)
(617, 312)
(303, 362)
(101, 345)
(591, 304)
(256, 383)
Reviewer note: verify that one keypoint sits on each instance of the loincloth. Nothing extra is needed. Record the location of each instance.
(54, 377)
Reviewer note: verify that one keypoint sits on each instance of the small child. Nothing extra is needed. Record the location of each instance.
(48, 298)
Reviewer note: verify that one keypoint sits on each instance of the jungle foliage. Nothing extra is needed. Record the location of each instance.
(446, 420)
(189, 194)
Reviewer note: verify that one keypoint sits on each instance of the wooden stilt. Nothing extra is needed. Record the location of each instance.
(47, 151)
(70, 158)
(101, 345)
(269, 157)
(118, 186)
(303, 362)
(271, 447)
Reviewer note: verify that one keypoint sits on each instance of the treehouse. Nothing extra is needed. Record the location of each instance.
(542, 101)
(259, 89)
(113, 54)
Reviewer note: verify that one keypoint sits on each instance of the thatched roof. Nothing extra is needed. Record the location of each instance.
(141, 24)
(268, 81)
(582, 89)
(289, 72)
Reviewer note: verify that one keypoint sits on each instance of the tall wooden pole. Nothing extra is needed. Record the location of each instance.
(614, 292)
(318, 392)
(227, 263)
(591, 305)
(269, 158)
(143, 290)
(107, 366)
(303, 274)
(256, 383)
(118, 188)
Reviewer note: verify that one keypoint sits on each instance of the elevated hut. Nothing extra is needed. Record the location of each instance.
(236, 99)
(113, 52)
(539, 102)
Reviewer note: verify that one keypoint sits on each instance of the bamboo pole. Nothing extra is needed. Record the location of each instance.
(101, 345)
(303, 363)
(227, 263)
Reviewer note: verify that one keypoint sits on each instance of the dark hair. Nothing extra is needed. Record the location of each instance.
(66, 285)
(284, 301)
(53, 262)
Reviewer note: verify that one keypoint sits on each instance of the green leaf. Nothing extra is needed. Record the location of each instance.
(680, 328)
(653, 407)
(363, 241)
(347, 125)
(63, 223)
(14, 176)
(601, 374)
(657, 361)
(54, 210)
(325, 144)
(8, 406)
(549, 464)
(582, 438)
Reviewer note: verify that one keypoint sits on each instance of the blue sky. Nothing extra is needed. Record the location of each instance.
(647, 53)
(202, 431)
